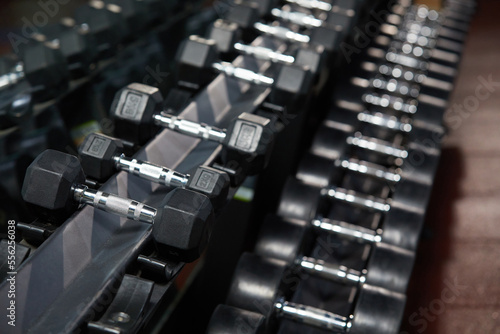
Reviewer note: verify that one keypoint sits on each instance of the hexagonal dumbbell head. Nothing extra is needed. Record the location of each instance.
(225, 35)
(45, 68)
(292, 83)
(244, 14)
(101, 155)
(107, 26)
(183, 225)
(265, 6)
(249, 142)
(313, 59)
(97, 153)
(134, 12)
(132, 111)
(326, 37)
(195, 58)
(47, 186)
(77, 45)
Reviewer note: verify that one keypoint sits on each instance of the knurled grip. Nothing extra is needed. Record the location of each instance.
(120, 206)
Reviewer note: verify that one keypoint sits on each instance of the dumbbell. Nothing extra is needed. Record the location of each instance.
(341, 16)
(42, 64)
(416, 65)
(197, 61)
(413, 51)
(76, 43)
(246, 15)
(290, 241)
(134, 12)
(416, 160)
(397, 76)
(227, 35)
(387, 124)
(394, 98)
(54, 188)
(136, 111)
(401, 223)
(410, 182)
(16, 108)
(422, 15)
(427, 23)
(416, 34)
(106, 24)
(440, 64)
(102, 156)
(258, 286)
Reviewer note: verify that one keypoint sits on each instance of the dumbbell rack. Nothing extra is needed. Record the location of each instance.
(91, 252)
(54, 116)
(308, 290)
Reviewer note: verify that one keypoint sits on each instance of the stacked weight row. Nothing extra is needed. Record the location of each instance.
(224, 134)
(339, 253)
(55, 87)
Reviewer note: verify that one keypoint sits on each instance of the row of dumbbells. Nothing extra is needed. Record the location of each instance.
(197, 57)
(54, 54)
(57, 184)
(298, 51)
(138, 111)
(356, 185)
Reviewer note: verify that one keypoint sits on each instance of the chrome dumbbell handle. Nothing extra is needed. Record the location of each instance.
(346, 230)
(330, 271)
(399, 72)
(13, 77)
(120, 206)
(388, 101)
(263, 53)
(369, 169)
(301, 19)
(282, 33)
(377, 145)
(190, 128)
(312, 4)
(151, 172)
(395, 86)
(243, 74)
(385, 121)
(311, 316)
(351, 197)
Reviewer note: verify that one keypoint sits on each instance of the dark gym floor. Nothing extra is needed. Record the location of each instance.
(456, 282)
